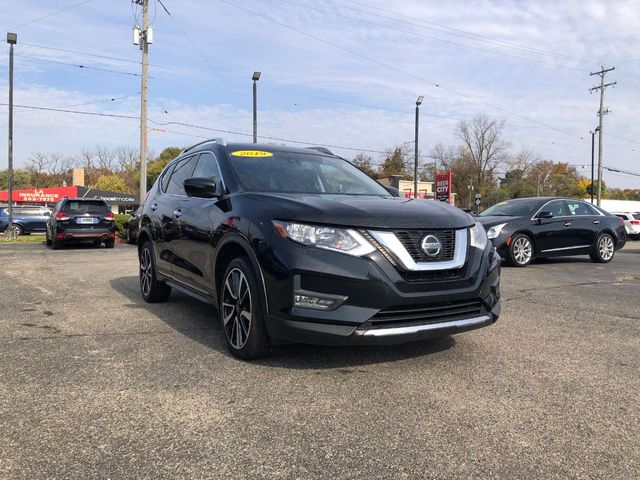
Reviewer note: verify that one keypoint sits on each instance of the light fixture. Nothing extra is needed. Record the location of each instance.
(256, 76)
(12, 38)
(419, 101)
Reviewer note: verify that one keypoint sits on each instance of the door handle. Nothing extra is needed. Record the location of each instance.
(154, 207)
(596, 222)
(177, 212)
(566, 224)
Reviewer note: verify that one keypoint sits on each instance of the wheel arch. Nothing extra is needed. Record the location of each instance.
(232, 246)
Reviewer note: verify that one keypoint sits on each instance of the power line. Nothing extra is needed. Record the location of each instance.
(396, 69)
(77, 65)
(57, 12)
(115, 99)
(459, 32)
(196, 48)
(450, 42)
(77, 112)
(95, 55)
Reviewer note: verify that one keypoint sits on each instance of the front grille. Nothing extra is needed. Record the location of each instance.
(433, 275)
(412, 240)
(426, 314)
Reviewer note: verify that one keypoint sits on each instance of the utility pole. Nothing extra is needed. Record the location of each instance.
(255, 78)
(12, 39)
(593, 140)
(601, 112)
(415, 158)
(144, 38)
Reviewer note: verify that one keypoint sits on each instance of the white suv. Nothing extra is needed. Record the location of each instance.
(632, 224)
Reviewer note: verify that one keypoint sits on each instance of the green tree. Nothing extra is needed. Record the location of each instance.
(111, 183)
(394, 163)
(363, 162)
(21, 179)
(155, 167)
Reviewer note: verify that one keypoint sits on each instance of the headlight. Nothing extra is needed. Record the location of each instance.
(329, 238)
(478, 236)
(494, 231)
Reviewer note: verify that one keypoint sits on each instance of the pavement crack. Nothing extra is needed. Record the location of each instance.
(117, 334)
(556, 287)
(577, 309)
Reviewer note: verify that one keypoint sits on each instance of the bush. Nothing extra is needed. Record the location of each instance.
(120, 220)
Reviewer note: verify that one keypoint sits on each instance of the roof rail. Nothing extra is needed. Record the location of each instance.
(321, 149)
(219, 141)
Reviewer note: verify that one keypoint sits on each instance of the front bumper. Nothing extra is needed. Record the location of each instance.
(381, 307)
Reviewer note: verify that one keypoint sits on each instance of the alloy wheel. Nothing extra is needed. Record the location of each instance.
(522, 250)
(236, 308)
(146, 271)
(605, 247)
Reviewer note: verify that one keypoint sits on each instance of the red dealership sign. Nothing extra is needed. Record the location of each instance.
(443, 186)
(40, 195)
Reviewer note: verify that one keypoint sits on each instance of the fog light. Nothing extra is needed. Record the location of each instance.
(317, 301)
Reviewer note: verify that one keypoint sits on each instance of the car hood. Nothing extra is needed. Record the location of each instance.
(366, 211)
(489, 221)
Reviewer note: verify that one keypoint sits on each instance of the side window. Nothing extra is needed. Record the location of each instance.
(164, 183)
(580, 208)
(207, 167)
(181, 171)
(556, 207)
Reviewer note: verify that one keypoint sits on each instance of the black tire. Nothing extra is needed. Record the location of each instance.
(242, 305)
(47, 239)
(603, 249)
(110, 243)
(153, 291)
(130, 241)
(520, 252)
(56, 244)
(18, 230)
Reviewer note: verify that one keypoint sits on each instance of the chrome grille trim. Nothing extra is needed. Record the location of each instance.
(394, 246)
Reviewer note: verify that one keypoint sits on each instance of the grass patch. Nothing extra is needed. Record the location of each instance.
(22, 239)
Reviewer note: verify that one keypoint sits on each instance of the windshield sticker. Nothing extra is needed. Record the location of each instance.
(251, 153)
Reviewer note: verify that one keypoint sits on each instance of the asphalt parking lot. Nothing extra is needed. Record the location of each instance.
(94, 383)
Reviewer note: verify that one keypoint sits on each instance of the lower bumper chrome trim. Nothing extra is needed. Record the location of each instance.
(467, 322)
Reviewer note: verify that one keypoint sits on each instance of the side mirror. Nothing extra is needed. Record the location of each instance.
(202, 187)
(545, 215)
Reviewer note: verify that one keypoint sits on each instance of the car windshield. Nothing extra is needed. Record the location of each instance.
(511, 208)
(85, 206)
(286, 172)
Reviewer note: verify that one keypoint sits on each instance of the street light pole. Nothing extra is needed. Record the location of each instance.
(255, 78)
(12, 39)
(415, 158)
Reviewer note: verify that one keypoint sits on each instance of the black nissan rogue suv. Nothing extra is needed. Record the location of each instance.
(298, 245)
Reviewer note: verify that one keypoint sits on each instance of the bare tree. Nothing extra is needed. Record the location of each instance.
(104, 158)
(127, 159)
(482, 140)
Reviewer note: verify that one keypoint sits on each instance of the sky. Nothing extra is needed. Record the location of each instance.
(344, 73)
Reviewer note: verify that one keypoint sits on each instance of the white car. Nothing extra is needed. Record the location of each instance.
(632, 224)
